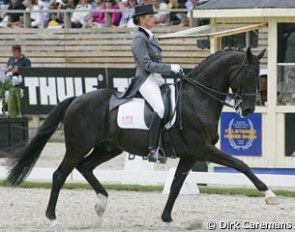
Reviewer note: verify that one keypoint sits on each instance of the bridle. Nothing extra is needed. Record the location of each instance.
(231, 100)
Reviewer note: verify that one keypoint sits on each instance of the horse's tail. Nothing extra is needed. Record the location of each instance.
(22, 166)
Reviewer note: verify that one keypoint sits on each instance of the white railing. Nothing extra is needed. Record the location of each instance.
(68, 14)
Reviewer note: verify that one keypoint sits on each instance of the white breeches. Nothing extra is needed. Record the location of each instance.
(150, 90)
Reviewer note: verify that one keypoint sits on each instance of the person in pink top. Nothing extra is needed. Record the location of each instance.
(99, 19)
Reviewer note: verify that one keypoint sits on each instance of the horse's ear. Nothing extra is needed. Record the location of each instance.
(261, 54)
(249, 53)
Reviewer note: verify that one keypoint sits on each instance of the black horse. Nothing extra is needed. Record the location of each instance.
(93, 137)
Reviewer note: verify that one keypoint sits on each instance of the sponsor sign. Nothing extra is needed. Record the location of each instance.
(241, 136)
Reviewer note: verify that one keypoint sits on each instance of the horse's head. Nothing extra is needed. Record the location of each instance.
(243, 82)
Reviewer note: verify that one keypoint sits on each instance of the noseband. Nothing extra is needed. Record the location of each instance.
(231, 100)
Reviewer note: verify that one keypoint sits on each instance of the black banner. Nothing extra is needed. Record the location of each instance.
(46, 87)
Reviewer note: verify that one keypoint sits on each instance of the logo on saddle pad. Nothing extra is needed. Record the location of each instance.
(136, 114)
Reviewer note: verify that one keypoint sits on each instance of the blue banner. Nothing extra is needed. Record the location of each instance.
(241, 136)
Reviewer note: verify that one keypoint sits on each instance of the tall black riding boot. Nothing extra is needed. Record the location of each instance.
(154, 135)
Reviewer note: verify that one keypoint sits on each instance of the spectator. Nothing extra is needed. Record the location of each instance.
(65, 5)
(82, 14)
(3, 6)
(287, 95)
(17, 60)
(36, 17)
(97, 4)
(178, 18)
(191, 4)
(261, 98)
(99, 17)
(54, 21)
(161, 17)
(13, 19)
(45, 5)
(144, 2)
(127, 8)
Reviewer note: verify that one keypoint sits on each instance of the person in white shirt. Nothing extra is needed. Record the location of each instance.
(81, 16)
(36, 14)
(162, 16)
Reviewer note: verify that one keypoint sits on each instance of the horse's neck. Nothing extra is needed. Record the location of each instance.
(215, 73)
(215, 77)
(199, 104)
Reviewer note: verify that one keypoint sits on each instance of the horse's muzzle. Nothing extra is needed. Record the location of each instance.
(247, 111)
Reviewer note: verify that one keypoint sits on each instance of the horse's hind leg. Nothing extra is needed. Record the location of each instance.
(216, 156)
(99, 155)
(58, 179)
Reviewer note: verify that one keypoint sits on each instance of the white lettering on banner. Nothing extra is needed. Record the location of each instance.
(78, 86)
(48, 90)
(32, 83)
(65, 88)
(90, 83)
(55, 89)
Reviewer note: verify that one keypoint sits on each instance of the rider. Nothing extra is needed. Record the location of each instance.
(149, 67)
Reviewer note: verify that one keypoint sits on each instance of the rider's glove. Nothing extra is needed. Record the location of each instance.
(176, 68)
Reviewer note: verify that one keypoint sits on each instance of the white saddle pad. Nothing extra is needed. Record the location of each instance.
(131, 114)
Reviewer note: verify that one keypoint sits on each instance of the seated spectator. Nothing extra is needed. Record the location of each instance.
(4, 4)
(191, 4)
(261, 98)
(36, 17)
(82, 14)
(287, 95)
(144, 2)
(127, 8)
(13, 19)
(54, 21)
(97, 4)
(178, 18)
(99, 19)
(161, 17)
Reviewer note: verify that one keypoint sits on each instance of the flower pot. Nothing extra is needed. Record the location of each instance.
(13, 132)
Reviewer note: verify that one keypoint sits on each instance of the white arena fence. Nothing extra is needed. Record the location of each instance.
(140, 172)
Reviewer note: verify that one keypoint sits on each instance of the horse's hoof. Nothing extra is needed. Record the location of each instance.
(272, 200)
(101, 204)
(50, 215)
(55, 223)
(167, 219)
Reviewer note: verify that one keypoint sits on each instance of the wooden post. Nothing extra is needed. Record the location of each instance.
(192, 20)
(67, 19)
(108, 15)
(27, 19)
(35, 121)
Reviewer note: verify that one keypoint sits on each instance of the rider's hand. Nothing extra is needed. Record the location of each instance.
(176, 68)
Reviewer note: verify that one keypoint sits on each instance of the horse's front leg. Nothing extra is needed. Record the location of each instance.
(183, 168)
(216, 156)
